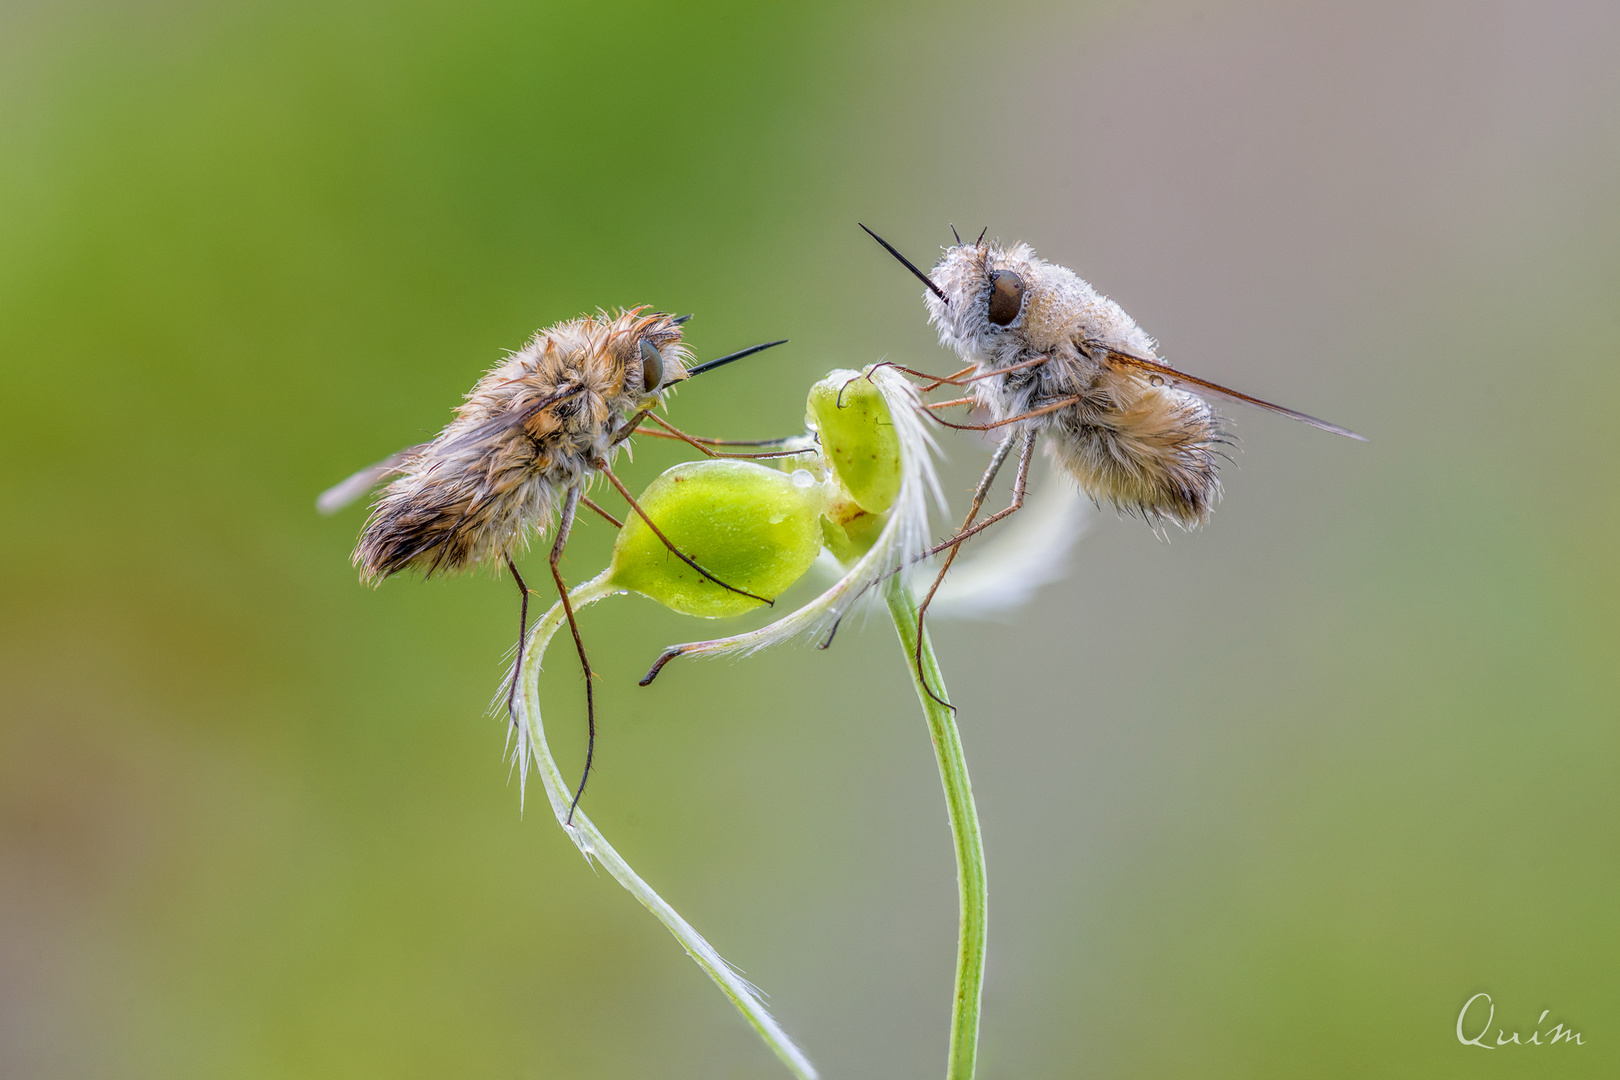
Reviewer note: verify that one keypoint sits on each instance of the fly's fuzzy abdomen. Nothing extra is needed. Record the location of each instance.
(442, 521)
(1152, 455)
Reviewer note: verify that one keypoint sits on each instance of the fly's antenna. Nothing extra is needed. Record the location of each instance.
(956, 234)
(905, 262)
(980, 241)
(729, 357)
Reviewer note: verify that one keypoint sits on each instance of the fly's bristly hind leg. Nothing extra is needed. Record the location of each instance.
(523, 634)
(997, 459)
(565, 525)
(1020, 482)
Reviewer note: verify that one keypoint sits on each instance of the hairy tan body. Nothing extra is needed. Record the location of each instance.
(1128, 437)
(528, 432)
(518, 458)
(1048, 354)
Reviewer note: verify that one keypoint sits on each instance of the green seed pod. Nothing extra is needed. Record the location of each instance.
(848, 531)
(752, 527)
(858, 438)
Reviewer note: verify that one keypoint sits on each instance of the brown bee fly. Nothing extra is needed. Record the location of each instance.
(520, 456)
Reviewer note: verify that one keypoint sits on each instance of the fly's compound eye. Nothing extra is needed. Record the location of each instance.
(1006, 296)
(652, 366)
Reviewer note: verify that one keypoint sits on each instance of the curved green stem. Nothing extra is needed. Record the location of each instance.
(594, 845)
(970, 874)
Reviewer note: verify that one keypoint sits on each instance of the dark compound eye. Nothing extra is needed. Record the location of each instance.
(652, 366)
(1006, 296)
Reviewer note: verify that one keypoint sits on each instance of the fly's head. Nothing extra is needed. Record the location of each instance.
(996, 305)
(1003, 305)
(989, 299)
(648, 358)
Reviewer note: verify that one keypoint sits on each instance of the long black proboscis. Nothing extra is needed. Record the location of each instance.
(907, 263)
(710, 365)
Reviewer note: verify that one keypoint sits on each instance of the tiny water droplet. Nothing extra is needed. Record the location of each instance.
(1156, 380)
(802, 479)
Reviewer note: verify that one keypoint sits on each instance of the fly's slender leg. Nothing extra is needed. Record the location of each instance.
(1060, 403)
(702, 443)
(585, 501)
(1017, 502)
(949, 380)
(992, 373)
(938, 380)
(565, 525)
(677, 433)
(725, 442)
(997, 460)
(630, 426)
(995, 465)
(980, 493)
(826, 642)
(601, 466)
(523, 635)
(1022, 365)
(1020, 483)
(963, 377)
(955, 541)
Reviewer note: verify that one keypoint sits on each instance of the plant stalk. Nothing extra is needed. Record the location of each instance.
(584, 833)
(971, 882)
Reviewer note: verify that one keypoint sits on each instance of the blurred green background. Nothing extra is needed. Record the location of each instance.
(1269, 801)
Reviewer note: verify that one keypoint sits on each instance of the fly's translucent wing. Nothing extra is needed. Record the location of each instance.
(338, 496)
(507, 420)
(1172, 376)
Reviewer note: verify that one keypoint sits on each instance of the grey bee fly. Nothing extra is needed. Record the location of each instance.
(1048, 354)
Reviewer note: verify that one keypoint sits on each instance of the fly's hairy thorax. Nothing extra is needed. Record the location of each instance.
(1043, 350)
(571, 390)
(1056, 374)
